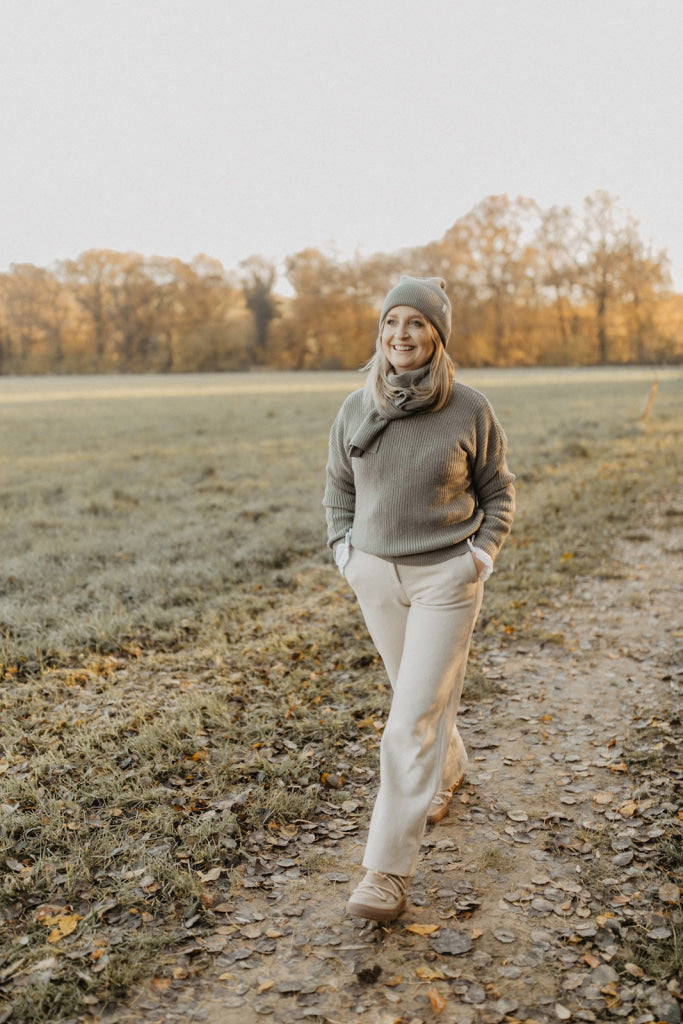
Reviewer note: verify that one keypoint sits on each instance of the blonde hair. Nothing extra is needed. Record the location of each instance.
(436, 386)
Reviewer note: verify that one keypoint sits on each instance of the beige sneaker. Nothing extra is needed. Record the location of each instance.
(379, 897)
(438, 808)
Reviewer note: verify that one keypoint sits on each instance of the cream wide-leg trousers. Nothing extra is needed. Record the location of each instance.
(421, 620)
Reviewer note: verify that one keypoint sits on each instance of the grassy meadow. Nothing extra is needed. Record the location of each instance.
(181, 666)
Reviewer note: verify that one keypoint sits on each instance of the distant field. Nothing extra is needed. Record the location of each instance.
(137, 505)
(180, 662)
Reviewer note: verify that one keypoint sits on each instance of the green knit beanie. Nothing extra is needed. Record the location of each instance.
(428, 294)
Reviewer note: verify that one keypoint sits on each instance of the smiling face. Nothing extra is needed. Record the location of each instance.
(407, 338)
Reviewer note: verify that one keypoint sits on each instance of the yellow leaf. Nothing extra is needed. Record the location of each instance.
(49, 914)
(423, 929)
(332, 781)
(603, 798)
(429, 974)
(65, 926)
(436, 999)
(628, 809)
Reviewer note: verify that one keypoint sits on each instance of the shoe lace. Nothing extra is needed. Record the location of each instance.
(383, 886)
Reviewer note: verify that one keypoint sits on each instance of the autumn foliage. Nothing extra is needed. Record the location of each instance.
(529, 287)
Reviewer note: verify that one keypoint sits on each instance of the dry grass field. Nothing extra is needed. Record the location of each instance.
(180, 664)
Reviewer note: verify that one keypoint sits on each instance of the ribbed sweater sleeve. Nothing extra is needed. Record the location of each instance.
(493, 481)
(431, 482)
(340, 492)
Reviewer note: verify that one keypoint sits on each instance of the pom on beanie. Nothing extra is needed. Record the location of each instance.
(428, 294)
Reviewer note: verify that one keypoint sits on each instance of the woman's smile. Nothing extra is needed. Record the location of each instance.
(407, 338)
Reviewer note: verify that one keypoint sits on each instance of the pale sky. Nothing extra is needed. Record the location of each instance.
(234, 127)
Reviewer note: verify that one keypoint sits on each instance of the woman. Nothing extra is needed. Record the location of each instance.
(419, 500)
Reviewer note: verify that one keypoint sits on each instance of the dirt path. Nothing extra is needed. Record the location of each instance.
(532, 895)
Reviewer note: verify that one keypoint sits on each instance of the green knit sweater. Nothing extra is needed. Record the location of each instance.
(429, 482)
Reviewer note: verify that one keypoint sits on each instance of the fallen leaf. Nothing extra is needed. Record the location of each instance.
(423, 929)
(7, 972)
(429, 974)
(101, 963)
(65, 926)
(210, 876)
(332, 781)
(44, 965)
(602, 919)
(669, 892)
(436, 999)
(288, 988)
(50, 913)
(603, 798)
(450, 940)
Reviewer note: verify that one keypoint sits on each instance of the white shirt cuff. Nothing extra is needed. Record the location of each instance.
(482, 556)
(342, 552)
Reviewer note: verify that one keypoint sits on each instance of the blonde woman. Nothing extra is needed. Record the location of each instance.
(419, 500)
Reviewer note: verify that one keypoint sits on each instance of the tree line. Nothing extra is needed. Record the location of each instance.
(528, 287)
